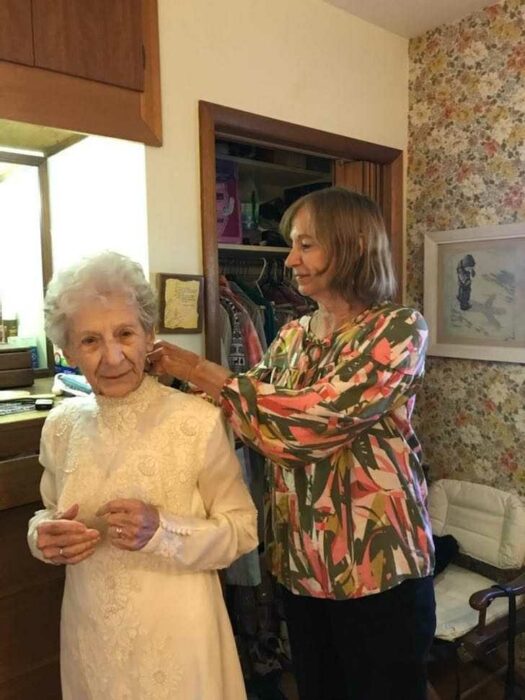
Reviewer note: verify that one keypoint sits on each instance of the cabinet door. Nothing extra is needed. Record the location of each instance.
(30, 601)
(361, 176)
(382, 182)
(100, 39)
(16, 33)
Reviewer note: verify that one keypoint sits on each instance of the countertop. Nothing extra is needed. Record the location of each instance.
(41, 386)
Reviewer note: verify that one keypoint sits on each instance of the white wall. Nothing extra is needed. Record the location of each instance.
(97, 192)
(302, 61)
(21, 281)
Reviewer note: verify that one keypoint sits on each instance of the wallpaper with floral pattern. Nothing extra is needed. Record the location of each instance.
(466, 168)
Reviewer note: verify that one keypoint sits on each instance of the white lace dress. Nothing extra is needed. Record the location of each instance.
(148, 624)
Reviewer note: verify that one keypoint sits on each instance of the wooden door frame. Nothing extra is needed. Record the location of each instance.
(217, 120)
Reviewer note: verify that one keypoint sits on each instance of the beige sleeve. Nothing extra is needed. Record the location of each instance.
(230, 528)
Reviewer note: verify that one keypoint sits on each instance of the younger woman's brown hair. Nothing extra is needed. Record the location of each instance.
(350, 227)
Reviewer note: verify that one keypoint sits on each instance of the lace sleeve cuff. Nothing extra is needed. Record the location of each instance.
(168, 539)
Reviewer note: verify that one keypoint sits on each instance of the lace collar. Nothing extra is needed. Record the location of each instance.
(142, 394)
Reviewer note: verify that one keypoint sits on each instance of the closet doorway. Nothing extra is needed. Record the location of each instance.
(366, 167)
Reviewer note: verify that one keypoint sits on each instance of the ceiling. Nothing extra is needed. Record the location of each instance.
(411, 18)
(30, 137)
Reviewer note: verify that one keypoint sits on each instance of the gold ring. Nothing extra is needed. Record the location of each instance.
(61, 552)
(118, 530)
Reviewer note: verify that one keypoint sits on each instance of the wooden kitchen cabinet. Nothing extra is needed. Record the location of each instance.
(16, 32)
(99, 40)
(90, 67)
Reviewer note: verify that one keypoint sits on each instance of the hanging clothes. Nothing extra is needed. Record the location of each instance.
(256, 299)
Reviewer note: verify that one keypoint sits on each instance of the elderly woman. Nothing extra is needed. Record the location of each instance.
(144, 501)
(330, 406)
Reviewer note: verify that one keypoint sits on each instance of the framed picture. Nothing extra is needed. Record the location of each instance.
(180, 303)
(475, 292)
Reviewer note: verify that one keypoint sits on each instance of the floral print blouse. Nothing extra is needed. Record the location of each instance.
(347, 495)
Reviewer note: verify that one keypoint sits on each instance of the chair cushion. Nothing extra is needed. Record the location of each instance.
(488, 524)
(453, 588)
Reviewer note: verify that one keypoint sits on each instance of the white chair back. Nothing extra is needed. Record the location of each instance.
(488, 524)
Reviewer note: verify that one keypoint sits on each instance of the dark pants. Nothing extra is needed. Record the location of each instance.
(371, 648)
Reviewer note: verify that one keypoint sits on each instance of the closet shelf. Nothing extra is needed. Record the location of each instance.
(285, 175)
(252, 249)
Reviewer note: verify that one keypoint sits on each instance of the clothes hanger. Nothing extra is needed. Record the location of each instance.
(263, 272)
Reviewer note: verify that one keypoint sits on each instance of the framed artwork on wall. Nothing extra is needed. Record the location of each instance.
(180, 303)
(475, 293)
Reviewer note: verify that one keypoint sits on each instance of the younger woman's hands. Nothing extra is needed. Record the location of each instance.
(167, 358)
(189, 367)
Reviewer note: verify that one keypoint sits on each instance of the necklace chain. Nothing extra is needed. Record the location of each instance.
(317, 324)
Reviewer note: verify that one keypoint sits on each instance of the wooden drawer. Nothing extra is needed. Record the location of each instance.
(20, 481)
(29, 630)
(19, 571)
(20, 438)
(42, 682)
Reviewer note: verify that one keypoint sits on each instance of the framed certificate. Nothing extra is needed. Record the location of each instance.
(180, 303)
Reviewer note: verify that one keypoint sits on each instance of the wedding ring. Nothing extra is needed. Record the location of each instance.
(61, 552)
(118, 530)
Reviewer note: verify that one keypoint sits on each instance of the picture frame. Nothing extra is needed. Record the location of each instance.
(180, 302)
(474, 292)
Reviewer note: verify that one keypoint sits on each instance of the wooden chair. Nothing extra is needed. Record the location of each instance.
(479, 596)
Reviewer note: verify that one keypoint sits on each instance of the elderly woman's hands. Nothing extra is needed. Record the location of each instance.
(170, 359)
(131, 523)
(66, 540)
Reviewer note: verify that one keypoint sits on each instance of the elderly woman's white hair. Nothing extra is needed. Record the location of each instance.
(96, 277)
